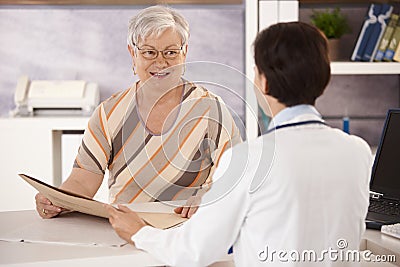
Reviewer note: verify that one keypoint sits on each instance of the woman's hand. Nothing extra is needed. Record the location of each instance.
(190, 208)
(124, 221)
(45, 208)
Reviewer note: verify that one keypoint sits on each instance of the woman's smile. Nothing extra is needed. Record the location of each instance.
(159, 74)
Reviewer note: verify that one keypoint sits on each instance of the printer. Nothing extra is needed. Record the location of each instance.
(42, 97)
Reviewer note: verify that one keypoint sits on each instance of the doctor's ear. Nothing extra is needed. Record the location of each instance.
(261, 81)
(264, 85)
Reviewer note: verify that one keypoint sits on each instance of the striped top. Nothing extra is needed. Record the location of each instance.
(171, 166)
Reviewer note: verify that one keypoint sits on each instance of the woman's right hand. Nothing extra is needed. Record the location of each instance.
(45, 208)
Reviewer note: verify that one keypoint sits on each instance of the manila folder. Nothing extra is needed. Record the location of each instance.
(71, 201)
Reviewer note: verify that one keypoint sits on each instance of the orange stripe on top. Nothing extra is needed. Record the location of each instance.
(122, 148)
(116, 104)
(194, 181)
(220, 154)
(79, 164)
(98, 142)
(174, 155)
(157, 151)
(200, 172)
(198, 175)
(102, 125)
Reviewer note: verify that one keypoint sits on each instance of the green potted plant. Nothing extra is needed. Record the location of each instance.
(333, 24)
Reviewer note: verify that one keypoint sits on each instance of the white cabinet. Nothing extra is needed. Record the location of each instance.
(259, 15)
(70, 142)
(271, 12)
(34, 146)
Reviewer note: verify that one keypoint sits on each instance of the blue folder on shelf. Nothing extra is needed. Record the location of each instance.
(363, 38)
(376, 33)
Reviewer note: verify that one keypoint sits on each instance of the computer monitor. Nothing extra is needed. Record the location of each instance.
(385, 177)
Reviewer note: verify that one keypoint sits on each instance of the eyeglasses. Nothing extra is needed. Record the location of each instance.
(153, 53)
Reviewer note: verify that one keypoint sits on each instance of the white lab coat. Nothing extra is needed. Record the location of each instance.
(294, 189)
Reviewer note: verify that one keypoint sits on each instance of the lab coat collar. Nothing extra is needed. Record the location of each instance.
(294, 114)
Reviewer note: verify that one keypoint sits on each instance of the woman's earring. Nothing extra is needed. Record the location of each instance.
(134, 71)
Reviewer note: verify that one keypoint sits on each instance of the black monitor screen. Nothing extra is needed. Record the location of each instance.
(386, 171)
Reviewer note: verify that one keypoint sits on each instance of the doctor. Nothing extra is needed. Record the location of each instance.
(300, 190)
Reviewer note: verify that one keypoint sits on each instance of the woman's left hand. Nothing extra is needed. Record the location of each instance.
(124, 221)
(190, 208)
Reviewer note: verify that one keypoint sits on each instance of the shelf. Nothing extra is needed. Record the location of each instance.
(360, 68)
(344, 1)
(354, 117)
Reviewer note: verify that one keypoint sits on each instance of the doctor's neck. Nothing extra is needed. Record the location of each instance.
(274, 105)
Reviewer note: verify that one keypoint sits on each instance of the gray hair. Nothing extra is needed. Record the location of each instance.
(155, 20)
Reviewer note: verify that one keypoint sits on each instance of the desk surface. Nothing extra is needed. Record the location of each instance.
(23, 253)
(35, 254)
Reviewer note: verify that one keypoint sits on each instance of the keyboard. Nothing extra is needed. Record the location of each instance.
(384, 206)
(391, 229)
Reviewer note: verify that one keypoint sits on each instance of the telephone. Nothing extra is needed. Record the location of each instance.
(55, 97)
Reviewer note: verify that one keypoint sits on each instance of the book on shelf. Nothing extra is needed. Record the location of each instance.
(394, 42)
(396, 56)
(371, 19)
(386, 37)
(377, 32)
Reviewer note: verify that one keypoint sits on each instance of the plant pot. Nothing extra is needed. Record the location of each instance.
(333, 46)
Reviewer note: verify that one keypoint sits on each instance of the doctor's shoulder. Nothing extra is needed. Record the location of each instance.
(254, 152)
(353, 143)
(251, 162)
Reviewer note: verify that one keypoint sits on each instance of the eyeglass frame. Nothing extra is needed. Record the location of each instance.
(159, 51)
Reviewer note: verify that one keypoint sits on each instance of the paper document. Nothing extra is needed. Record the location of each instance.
(156, 207)
(75, 202)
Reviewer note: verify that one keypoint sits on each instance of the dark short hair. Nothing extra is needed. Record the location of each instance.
(293, 57)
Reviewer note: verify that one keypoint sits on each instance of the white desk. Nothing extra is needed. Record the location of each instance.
(35, 254)
(381, 244)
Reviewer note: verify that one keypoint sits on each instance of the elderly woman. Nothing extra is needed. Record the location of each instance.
(160, 139)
